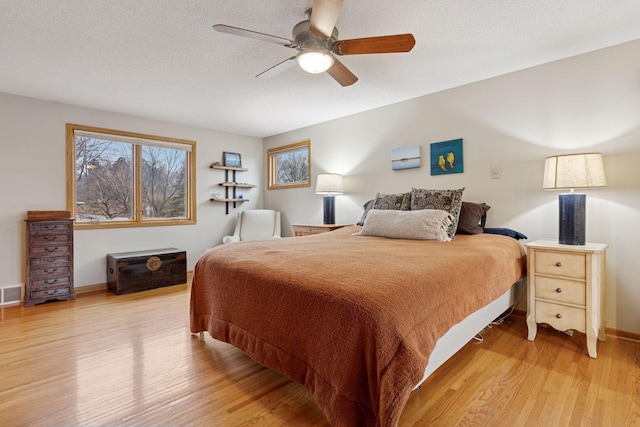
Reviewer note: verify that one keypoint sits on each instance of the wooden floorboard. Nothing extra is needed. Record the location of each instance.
(130, 360)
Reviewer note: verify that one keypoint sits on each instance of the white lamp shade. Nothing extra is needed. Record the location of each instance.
(329, 183)
(574, 171)
(315, 61)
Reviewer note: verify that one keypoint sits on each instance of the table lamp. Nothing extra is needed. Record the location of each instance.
(572, 171)
(329, 184)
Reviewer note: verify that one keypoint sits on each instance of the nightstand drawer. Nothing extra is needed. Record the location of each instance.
(561, 317)
(561, 264)
(561, 290)
(309, 229)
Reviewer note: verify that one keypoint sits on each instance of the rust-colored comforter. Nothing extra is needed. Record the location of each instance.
(352, 318)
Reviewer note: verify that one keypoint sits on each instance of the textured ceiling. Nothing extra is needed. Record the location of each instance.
(161, 59)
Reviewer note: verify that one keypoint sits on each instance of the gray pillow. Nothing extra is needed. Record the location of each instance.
(446, 200)
(367, 207)
(426, 224)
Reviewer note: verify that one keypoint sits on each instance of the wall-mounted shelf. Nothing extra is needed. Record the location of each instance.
(228, 168)
(223, 199)
(236, 184)
(230, 186)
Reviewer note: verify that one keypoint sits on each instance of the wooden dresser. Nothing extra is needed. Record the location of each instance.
(49, 257)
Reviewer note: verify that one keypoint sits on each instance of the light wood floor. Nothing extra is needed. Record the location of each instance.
(130, 360)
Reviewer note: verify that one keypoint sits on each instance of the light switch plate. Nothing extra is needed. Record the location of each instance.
(495, 172)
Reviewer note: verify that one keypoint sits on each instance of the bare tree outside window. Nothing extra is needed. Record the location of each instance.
(289, 166)
(163, 182)
(104, 186)
(129, 179)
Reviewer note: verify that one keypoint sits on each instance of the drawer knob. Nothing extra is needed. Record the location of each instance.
(559, 290)
(559, 316)
(558, 264)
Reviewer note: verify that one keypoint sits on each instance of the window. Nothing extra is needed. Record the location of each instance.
(123, 179)
(289, 166)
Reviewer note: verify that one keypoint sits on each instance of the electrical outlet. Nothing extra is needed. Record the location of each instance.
(495, 172)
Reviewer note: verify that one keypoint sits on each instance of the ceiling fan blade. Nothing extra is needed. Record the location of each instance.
(342, 74)
(253, 35)
(324, 14)
(381, 44)
(278, 68)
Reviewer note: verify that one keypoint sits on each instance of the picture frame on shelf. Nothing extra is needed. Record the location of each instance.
(233, 160)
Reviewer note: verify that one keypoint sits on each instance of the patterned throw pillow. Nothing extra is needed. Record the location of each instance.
(399, 202)
(446, 200)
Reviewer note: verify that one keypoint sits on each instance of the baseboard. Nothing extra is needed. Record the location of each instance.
(622, 334)
(103, 286)
(608, 331)
(90, 288)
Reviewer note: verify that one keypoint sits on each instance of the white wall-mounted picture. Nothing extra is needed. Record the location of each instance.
(405, 157)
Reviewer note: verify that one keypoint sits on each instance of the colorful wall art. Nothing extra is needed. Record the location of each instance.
(446, 157)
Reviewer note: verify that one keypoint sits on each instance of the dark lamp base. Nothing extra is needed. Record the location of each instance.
(572, 218)
(329, 209)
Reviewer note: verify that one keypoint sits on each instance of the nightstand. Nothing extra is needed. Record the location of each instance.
(566, 289)
(307, 229)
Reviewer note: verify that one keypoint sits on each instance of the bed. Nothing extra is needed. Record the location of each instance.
(360, 321)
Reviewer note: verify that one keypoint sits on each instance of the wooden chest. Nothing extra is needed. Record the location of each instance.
(138, 271)
(49, 260)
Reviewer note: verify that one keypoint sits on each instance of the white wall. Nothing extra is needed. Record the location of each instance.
(33, 177)
(586, 103)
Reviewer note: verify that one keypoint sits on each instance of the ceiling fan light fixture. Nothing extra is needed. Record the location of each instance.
(315, 61)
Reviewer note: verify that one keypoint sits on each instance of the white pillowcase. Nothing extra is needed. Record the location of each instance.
(425, 224)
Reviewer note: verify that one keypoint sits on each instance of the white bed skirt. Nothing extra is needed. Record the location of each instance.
(460, 334)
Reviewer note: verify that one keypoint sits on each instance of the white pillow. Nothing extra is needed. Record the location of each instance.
(425, 224)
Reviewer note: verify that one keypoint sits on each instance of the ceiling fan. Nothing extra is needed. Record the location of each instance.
(316, 40)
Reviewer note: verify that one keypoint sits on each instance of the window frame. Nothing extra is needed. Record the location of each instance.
(138, 220)
(272, 163)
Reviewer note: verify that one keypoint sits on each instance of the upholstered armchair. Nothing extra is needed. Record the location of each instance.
(256, 224)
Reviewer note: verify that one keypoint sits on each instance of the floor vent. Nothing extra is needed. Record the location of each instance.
(10, 294)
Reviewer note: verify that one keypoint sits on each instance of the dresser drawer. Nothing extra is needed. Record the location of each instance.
(50, 261)
(560, 264)
(49, 239)
(50, 273)
(49, 250)
(51, 293)
(561, 290)
(50, 227)
(561, 317)
(49, 283)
